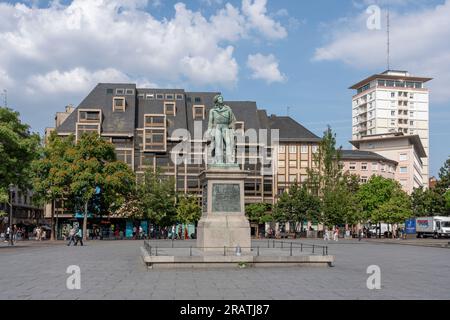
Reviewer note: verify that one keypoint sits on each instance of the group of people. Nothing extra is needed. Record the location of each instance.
(75, 236)
(334, 232)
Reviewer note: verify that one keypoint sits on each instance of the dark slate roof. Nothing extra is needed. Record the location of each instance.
(291, 130)
(363, 155)
(126, 122)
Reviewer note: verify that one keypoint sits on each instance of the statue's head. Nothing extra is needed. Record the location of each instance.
(218, 99)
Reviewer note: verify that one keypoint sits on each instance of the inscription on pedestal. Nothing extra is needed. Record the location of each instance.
(226, 198)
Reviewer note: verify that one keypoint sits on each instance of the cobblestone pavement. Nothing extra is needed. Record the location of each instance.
(114, 270)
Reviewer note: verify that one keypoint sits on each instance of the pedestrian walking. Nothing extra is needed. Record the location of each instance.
(79, 237)
(336, 234)
(326, 236)
(360, 234)
(71, 236)
(141, 232)
(173, 232)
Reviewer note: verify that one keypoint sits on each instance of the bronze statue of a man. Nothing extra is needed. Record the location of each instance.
(221, 129)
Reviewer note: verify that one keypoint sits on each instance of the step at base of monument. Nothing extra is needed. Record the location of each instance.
(245, 261)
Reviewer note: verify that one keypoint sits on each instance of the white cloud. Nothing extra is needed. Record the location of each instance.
(418, 44)
(256, 11)
(75, 80)
(265, 68)
(67, 48)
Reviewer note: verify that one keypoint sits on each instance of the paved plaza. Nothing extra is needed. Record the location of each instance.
(114, 270)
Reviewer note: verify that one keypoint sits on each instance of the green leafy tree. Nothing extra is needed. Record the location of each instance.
(18, 148)
(297, 205)
(51, 175)
(3, 199)
(326, 170)
(380, 194)
(188, 210)
(93, 166)
(157, 198)
(447, 200)
(427, 202)
(396, 209)
(258, 213)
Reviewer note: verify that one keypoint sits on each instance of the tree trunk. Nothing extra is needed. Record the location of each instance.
(52, 223)
(85, 220)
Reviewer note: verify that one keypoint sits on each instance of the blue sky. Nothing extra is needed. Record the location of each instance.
(298, 54)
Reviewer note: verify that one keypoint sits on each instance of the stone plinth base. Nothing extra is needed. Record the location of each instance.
(216, 232)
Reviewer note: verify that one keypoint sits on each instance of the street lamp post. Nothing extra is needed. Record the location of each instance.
(11, 231)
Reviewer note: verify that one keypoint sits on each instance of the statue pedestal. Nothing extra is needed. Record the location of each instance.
(223, 224)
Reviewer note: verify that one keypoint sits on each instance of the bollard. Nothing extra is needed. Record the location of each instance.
(224, 251)
(301, 247)
(313, 249)
(281, 244)
(190, 251)
(156, 249)
(273, 243)
(257, 252)
(268, 244)
(327, 249)
(291, 249)
(172, 242)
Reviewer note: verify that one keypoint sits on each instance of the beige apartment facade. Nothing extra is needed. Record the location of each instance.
(366, 164)
(392, 102)
(406, 150)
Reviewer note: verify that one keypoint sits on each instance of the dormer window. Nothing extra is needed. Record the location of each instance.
(198, 112)
(129, 92)
(169, 96)
(88, 115)
(159, 96)
(120, 91)
(179, 97)
(150, 96)
(169, 108)
(198, 100)
(119, 104)
(239, 125)
(154, 120)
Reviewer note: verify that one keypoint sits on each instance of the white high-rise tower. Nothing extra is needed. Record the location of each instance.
(393, 101)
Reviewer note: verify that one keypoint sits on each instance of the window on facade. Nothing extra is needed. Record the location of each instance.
(281, 149)
(374, 166)
(292, 178)
(197, 100)
(122, 142)
(155, 140)
(292, 149)
(86, 128)
(119, 104)
(403, 157)
(88, 116)
(364, 166)
(125, 156)
(403, 169)
(383, 168)
(159, 96)
(352, 166)
(141, 96)
(281, 178)
(150, 96)
(109, 91)
(179, 97)
(198, 112)
(120, 91)
(169, 108)
(303, 178)
(154, 120)
(392, 113)
(129, 92)
(292, 164)
(411, 123)
(281, 164)
(304, 164)
(304, 149)
(364, 179)
(392, 94)
(170, 96)
(315, 149)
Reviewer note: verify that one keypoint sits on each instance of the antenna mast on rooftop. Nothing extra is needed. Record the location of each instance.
(388, 38)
